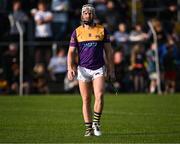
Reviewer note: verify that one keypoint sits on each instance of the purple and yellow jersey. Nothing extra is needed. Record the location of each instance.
(90, 44)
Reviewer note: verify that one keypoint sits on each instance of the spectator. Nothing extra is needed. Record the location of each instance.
(161, 40)
(101, 8)
(170, 12)
(112, 16)
(75, 13)
(14, 87)
(43, 33)
(151, 68)
(160, 32)
(17, 16)
(11, 69)
(121, 38)
(138, 68)
(170, 68)
(43, 19)
(39, 85)
(137, 35)
(58, 66)
(60, 9)
(120, 71)
(10, 57)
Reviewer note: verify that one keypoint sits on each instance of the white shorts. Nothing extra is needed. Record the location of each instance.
(153, 76)
(88, 75)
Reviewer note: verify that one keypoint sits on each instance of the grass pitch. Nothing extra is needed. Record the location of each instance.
(135, 118)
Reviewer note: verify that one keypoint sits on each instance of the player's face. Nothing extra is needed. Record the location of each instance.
(42, 7)
(87, 15)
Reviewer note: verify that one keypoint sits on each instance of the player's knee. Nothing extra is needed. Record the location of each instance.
(86, 100)
(99, 97)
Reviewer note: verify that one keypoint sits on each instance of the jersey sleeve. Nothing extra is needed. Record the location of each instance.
(73, 41)
(106, 36)
(37, 17)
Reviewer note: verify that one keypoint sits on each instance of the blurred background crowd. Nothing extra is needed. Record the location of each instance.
(47, 26)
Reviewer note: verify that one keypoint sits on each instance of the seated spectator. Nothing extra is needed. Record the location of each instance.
(58, 66)
(15, 84)
(137, 34)
(39, 85)
(121, 38)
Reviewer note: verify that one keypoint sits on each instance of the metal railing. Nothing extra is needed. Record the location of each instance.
(157, 57)
(21, 51)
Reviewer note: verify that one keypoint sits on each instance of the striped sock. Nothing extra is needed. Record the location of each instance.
(97, 117)
(88, 126)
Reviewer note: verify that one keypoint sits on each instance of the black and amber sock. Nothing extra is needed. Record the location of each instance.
(88, 125)
(97, 117)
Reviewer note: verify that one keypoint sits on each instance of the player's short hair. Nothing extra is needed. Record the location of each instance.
(88, 7)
